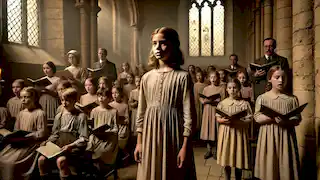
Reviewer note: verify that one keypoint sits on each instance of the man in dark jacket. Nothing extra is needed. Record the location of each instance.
(108, 68)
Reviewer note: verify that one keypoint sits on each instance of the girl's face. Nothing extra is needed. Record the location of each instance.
(125, 67)
(137, 81)
(213, 78)
(60, 89)
(27, 99)
(277, 80)
(232, 89)
(103, 84)
(16, 88)
(199, 77)
(222, 74)
(242, 78)
(103, 100)
(72, 59)
(68, 103)
(130, 79)
(47, 70)
(161, 48)
(89, 87)
(116, 95)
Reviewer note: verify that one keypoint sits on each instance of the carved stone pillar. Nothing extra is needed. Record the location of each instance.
(303, 81)
(268, 18)
(83, 5)
(284, 29)
(134, 15)
(95, 9)
(257, 30)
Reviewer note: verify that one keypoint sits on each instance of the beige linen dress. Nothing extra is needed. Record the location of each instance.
(17, 163)
(124, 129)
(4, 118)
(133, 103)
(48, 102)
(233, 143)
(164, 118)
(209, 126)
(198, 88)
(277, 152)
(104, 146)
(78, 73)
(247, 93)
(88, 99)
(14, 106)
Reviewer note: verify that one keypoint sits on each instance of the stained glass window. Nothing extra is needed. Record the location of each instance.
(206, 28)
(23, 21)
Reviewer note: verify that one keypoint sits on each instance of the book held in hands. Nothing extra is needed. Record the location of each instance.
(86, 107)
(9, 137)
(236, 115)
(272, 113)
(50, 150)
(101, 129)
(264, 67)
(44, 81)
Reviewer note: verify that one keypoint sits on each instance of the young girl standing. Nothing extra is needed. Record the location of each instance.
(164, 119)
(105, 144)
(209, 127)
(197, 89)
(127, 88)
(277, 153)
(246, 89)
(91, 95)
(125, 70)
(16, 162)
(49, 98)
(14, 104)
(223, 77)
(233, 144)
(133, 104)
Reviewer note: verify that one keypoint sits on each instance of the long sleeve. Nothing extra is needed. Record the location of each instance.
(187, 109)
(295, 120)
(41, 132)
(249, 117)
(142, 106)
(114, 126)
(126, 114)
(258, 116)
(56, 128)
(83, 131)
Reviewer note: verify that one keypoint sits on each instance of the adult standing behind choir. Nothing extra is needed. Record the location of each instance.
(108, 68)
(259, 77)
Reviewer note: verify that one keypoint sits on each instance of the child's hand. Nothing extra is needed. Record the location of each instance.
(181, 157)
(138, 153)
(207, 101)
(126, 121)
(67, 148)
(278, 119)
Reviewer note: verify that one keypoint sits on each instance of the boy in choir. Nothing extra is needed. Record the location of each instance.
(197, 89)
(233, 143)
(78, 72)
(209, 127)
(14, 104)
(18, 160)
(277, 154)
(164, 120)
(70, 131)
(91, 89)
(104, 145)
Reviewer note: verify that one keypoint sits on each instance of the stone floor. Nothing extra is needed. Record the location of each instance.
(206, 169)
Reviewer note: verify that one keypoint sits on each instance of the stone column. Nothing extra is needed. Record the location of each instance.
(252, 34)
(262, 29)
(303, 80)
(85, 32)
(268, 18)
(134, 16)
(95, 9)
(257, 30)
(284, 29)
(316, 28)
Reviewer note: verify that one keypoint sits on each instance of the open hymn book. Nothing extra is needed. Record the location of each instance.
(9, 137)
(86, 107)
(50, 150)
(44, 81)
(265, 67)
(236, 115)
(272, 113)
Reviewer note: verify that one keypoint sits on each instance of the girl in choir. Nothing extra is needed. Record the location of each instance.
(164, 120)
(123, 113)
(198, 69)
(91, 89)
(49, 100)
(223, 77)
(198, 88)
(63, 85)
(192, 72)
(125, 70)
(209, 126)
(210, 69)
(127, 88)
(78, 72)
(14, 104)
(104, 83)
(277, 150)
(70, 131)
(17, 162)
(246, 89)
(104, 145)
(133, 104)
(233, 142)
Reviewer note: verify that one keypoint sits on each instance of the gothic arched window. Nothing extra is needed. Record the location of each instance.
(206, 28)
(23, 22)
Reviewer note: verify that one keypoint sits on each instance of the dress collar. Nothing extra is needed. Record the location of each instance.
(230, 102)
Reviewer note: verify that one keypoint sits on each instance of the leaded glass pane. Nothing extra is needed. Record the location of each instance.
(218, 30)
(33, 22)
(194, 31)
(199, 1)
(14, 18)
(206, 30)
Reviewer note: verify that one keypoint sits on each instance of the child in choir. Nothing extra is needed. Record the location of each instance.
(223, 77)
(125, 70)
(91, 95)
(210, 69)
(198, 88)
(246, 89)
(277, 154)
(63, 85)
(117, 83)
(192, 72)
(17, 161)
(4, 114)
(69, 131)
(198, 69)
(104, 83)
(233, 145)
(78, 72)
(49, 100)
(14, 104)
(127, 88)
(209, 126)
(104, 145)
(123, 113)
(133, 104)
